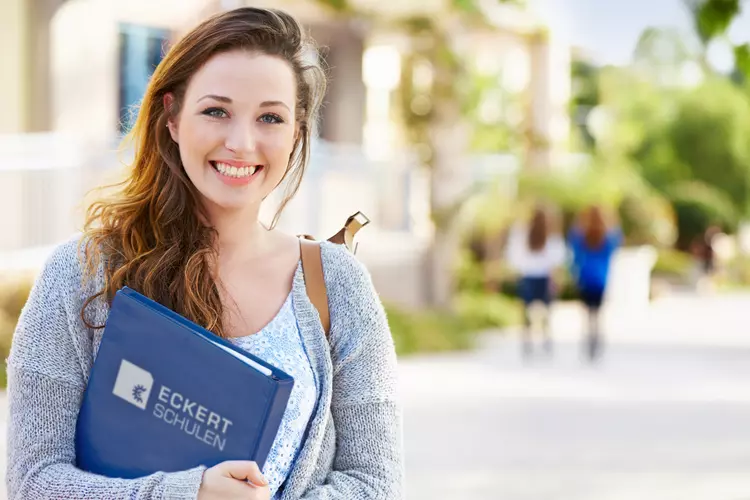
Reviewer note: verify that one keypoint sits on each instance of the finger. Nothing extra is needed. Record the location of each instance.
(238, 489)
(244, 470)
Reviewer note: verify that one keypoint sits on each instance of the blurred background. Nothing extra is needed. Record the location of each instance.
(446, 122)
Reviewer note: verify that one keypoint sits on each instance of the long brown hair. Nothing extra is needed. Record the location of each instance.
(594, 227)
(539, 229)
(150, 235)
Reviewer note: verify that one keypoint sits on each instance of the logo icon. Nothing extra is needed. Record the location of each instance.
(133, 384)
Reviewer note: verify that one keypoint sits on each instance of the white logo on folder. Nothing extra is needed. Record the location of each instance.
(133, 384)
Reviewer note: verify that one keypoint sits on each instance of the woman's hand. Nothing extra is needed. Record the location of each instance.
(239, 479)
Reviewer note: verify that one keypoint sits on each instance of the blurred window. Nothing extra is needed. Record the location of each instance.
(141, 50)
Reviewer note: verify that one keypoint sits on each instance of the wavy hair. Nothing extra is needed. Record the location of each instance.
(149, 235)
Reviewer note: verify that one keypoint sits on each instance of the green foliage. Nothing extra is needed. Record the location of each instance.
(710, 137)
(435, 331)
(647, 218)
(585, 80)
(699, 206)
(672, 263)
(636, 109)
(737, 272)
(713, 17)
(466, 6)
(494, 113)
(490, 210)
(482, 310)
(603, 181)
(585, 97)
(742, 58)
(341, 6)
(427, 331)
(674, 135)
(470, 272)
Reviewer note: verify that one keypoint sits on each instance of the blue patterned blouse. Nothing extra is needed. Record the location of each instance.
(279, 343)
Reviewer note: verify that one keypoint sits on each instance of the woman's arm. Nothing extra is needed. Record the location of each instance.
(368, 462)
(45, 390)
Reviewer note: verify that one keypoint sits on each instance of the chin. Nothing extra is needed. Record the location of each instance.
(231, 202)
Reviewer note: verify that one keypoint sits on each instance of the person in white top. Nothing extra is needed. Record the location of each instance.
(535, 252)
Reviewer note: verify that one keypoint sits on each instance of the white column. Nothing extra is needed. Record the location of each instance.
(13, 58)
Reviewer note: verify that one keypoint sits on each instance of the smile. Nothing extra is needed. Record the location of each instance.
(241, 172)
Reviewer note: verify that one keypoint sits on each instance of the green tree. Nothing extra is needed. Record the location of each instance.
(712, 19)
(584, 98)
(709, 135)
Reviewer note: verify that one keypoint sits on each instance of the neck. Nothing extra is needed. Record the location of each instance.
(240, 233)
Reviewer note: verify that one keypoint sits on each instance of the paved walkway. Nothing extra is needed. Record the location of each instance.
(663, 417)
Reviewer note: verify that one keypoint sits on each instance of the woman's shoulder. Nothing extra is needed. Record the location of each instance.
(65, 260)
(65, 265)
(342, 269)
(360, 336)
(349, 285)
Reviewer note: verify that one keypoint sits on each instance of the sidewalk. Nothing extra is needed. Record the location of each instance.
(663, 416)
(680, 318)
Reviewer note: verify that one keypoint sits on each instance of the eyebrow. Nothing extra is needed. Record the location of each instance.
(264, 104)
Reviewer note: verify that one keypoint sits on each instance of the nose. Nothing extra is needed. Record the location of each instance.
(241, 138)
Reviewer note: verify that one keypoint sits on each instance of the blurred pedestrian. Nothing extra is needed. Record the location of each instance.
(703, 248)
(535, 251)
(593, 243)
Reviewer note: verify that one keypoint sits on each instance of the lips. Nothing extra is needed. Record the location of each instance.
(235, 171)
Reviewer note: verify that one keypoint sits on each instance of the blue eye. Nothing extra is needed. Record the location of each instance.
(216, 112)
(271, 118)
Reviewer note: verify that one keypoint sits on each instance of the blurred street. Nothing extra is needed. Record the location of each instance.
(663, 416)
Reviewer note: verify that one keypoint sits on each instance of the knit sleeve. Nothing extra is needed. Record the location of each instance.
(45, 388)
(368, 462)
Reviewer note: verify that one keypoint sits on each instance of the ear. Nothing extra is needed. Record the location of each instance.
(171, 121)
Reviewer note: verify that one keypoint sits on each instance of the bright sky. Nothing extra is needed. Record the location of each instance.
(609, 29)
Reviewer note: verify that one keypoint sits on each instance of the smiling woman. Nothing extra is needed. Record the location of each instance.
(237, 128)
(226, 118)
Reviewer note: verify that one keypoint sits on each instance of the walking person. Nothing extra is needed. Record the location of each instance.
(593, 243)
(704, 250)
(535, 251)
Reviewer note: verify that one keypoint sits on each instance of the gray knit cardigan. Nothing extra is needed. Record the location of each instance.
(354, 446)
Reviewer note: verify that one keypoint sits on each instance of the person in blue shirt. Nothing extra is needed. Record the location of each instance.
(593, 243)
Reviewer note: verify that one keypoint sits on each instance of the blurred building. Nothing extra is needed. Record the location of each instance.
(75, 71)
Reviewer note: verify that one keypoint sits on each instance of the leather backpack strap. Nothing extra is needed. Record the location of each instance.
(346, 234)
(312, 264)
(312, 268)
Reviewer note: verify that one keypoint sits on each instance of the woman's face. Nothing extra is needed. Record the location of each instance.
(236, 128)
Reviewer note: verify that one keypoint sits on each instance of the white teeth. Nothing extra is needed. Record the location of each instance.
(231, 171)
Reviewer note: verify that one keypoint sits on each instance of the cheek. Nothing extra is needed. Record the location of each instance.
(197, 139)
(280, 146)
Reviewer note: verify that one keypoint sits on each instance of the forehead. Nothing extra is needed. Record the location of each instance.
(245, 77)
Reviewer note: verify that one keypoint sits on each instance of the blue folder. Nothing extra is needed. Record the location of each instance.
(167, 395)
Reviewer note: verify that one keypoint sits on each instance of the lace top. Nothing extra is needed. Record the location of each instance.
(279, 343)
